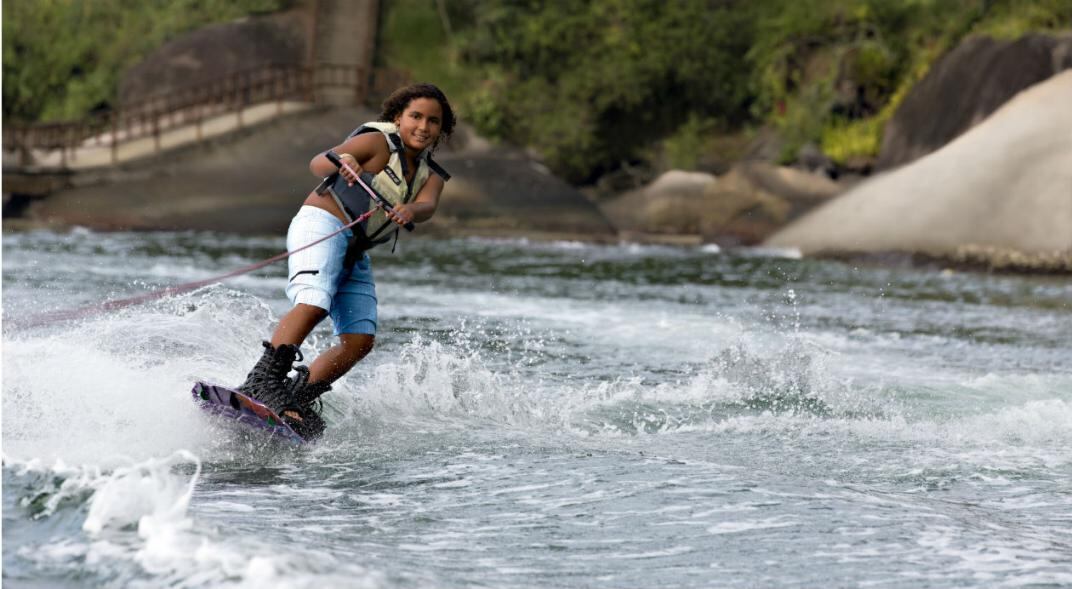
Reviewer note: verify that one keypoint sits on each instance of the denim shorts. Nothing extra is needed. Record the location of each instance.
(317, 277)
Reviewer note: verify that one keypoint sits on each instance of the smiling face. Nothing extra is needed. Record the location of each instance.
(420, 123)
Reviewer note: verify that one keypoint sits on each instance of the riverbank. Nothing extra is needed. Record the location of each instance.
(997, 198)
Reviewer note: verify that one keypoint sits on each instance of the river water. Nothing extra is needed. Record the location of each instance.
(542, 415)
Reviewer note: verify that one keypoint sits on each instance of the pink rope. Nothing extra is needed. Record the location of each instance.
(69, 314)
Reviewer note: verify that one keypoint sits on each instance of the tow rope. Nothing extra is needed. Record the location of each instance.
(90, 310)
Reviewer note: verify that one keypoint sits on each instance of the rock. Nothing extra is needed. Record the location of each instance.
(249, 182)
(339, 34)
(626, 178)
(964, 87)
(678, 183)
(211, 53)
(756, 199)
(793, 184)
(505, 193)
(1000, 193)
(744, 206)
(812, 159)
(253, 181)
(673, 204)
(740, 212)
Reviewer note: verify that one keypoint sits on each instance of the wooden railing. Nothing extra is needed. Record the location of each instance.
(189, 106)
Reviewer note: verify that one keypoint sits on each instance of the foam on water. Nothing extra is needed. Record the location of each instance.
(158, 351)
(548, 427)
(105, 439)
(126, 393)
(137, 532)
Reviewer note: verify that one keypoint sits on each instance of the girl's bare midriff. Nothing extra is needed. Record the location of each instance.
(325, 202)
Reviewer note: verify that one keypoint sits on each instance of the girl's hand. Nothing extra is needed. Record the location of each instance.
(400, 214)
(350, 161)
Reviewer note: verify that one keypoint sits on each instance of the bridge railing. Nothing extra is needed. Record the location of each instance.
(191, 106)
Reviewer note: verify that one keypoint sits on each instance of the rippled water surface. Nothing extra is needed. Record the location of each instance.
(542, 415)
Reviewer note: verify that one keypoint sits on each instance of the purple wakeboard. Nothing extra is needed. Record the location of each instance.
(233, 405)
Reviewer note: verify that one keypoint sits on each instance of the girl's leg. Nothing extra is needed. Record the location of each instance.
(340, 358)
(297, 324)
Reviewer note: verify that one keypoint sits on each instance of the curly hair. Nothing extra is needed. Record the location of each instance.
(397, 102)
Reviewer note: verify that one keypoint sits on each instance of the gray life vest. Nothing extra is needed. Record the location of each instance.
(390, 183)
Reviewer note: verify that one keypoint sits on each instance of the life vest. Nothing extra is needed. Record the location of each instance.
(389, 183)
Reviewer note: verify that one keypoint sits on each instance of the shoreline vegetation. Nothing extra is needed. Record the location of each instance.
(747, 116)
(674, 86)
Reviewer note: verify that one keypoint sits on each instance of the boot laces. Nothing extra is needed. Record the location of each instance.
(285, 356)
(296, 385)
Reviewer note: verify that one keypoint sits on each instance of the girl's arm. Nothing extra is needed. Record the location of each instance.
(366, 151)
(423, 206)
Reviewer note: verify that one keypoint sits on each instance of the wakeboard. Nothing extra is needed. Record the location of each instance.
(233, 405)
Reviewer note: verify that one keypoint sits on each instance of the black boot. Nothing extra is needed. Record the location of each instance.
(300, 410)
(267, 382)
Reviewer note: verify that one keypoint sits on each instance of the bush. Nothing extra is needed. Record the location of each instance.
(63, 58)
(589, 85)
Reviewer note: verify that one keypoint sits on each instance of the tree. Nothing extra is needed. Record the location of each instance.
(589, 84)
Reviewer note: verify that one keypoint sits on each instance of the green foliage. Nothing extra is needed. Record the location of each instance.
(683, 148)
(63, 58)
(414, 39)
(1010, 19)
(589, 84)
(843, 140)
(809, 56)
(821, 64)
(803, 118)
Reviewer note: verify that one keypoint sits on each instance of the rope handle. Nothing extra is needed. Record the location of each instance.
(379, 200)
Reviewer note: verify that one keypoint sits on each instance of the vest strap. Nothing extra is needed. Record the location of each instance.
(438, 169)
(354, 200)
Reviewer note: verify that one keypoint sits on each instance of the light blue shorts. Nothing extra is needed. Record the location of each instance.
(317, 277)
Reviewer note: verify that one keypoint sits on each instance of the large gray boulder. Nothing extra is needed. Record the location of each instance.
(498, 190)
(1000, 194)
(964, 87)
(505, 193)
(213, 52)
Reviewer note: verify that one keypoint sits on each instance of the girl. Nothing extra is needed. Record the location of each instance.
(393, 157)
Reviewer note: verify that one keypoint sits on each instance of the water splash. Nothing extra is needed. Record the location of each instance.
(126, 394)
